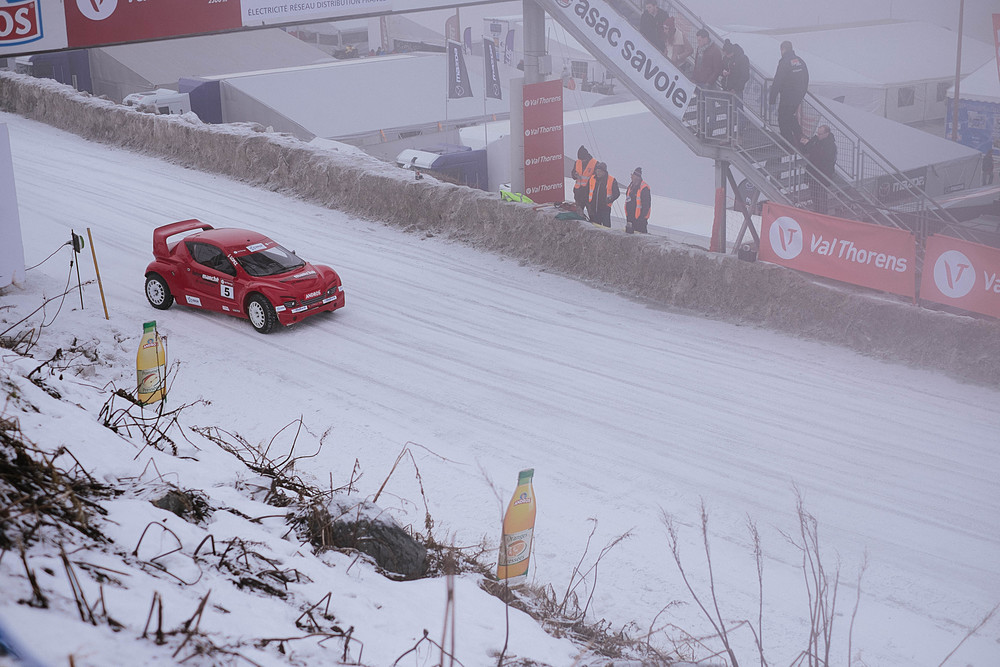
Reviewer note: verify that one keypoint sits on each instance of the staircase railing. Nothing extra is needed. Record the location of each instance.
(867, 186)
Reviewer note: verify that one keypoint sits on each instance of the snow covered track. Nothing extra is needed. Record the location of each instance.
(623, 410)
(648, 268)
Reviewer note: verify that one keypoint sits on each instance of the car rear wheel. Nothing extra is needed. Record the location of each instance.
(261, 314)
(158, 293)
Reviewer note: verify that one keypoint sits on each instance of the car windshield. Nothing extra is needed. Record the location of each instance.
(270, 261)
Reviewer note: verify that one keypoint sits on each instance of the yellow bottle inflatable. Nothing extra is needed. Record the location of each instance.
(518, 530)
(151, 366)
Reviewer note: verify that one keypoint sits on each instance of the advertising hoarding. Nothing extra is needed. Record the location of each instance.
(271, 12)
(629, 52)
(883, 258)
(94, 22)
(543, 141)
(961, 274)
(32, 25)
(38, 26)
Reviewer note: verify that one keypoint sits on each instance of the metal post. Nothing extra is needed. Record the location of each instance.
(718, 242)
(517, 135)
(77, 242)
(534, 40)
(958, 73)
(534, 49)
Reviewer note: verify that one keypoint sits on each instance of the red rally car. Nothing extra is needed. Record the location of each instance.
(240, 273)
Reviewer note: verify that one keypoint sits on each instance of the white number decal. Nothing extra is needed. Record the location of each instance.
(227, 291)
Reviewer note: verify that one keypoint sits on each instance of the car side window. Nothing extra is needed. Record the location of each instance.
(211, 256)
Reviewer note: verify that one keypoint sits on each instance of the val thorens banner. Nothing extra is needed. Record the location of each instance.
(961, 274)
(92, 22)
(883, 258)
(543, 142)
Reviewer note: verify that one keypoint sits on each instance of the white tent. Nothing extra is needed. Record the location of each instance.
(978, 109)
(120, 70)
(897, 69)
(347, 98)
(983, 85)
(364, 101)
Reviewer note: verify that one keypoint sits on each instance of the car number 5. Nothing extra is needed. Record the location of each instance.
(227, 291)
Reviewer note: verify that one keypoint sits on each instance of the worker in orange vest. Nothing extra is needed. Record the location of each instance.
(583, 170)
(604, 191)
(637, 203)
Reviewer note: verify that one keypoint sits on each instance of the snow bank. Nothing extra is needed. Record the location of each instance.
(649, 268)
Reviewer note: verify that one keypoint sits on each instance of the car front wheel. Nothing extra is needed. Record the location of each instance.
(261, 314)
(158, 293)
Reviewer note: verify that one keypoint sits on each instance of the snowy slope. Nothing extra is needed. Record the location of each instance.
(624, 411)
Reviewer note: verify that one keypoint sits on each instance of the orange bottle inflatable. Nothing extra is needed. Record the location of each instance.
(518, 530)
(151, 366)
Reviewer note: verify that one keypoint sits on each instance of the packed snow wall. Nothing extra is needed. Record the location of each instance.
(643, 267)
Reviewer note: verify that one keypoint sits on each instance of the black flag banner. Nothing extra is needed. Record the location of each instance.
(492, 69)
(458, 74)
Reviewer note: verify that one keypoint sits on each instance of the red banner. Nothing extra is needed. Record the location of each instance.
(543, 141)
(92, 22)
(962, 274)
(882, 258)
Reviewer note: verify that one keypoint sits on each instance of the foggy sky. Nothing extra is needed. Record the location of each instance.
(802, 13)
(785, 13)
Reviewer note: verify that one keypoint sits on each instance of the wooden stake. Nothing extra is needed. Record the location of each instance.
(99, 285)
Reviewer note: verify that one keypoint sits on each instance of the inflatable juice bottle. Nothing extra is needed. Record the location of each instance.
(518, 528)
(151, 366)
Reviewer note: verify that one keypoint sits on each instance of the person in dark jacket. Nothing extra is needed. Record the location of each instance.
(604, 191)
(821, 151)
(791, 81)
(735, 69)
(637, 203)
(582, 172)
(707, 62)
(651, 24)
(988, 166)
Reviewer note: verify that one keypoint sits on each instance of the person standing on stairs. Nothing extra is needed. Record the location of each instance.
(791, 81)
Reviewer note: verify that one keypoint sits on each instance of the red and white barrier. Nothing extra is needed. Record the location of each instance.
(859, 253)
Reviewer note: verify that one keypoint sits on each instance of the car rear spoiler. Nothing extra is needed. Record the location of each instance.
(161, 234)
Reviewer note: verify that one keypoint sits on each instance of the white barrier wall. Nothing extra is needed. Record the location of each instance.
(11, 248)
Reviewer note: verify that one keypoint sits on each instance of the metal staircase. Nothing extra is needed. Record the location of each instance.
(743, 133)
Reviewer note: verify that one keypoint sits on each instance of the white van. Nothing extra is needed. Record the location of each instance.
(161, 100)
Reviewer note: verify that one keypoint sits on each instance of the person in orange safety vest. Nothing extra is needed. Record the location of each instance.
(637, 202)
(604, 191)
(582, 171)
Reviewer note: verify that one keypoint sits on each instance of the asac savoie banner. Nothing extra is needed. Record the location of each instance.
(543, 141)
(92, 22)
(962, 274)
(883, 258)
(627, 50)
